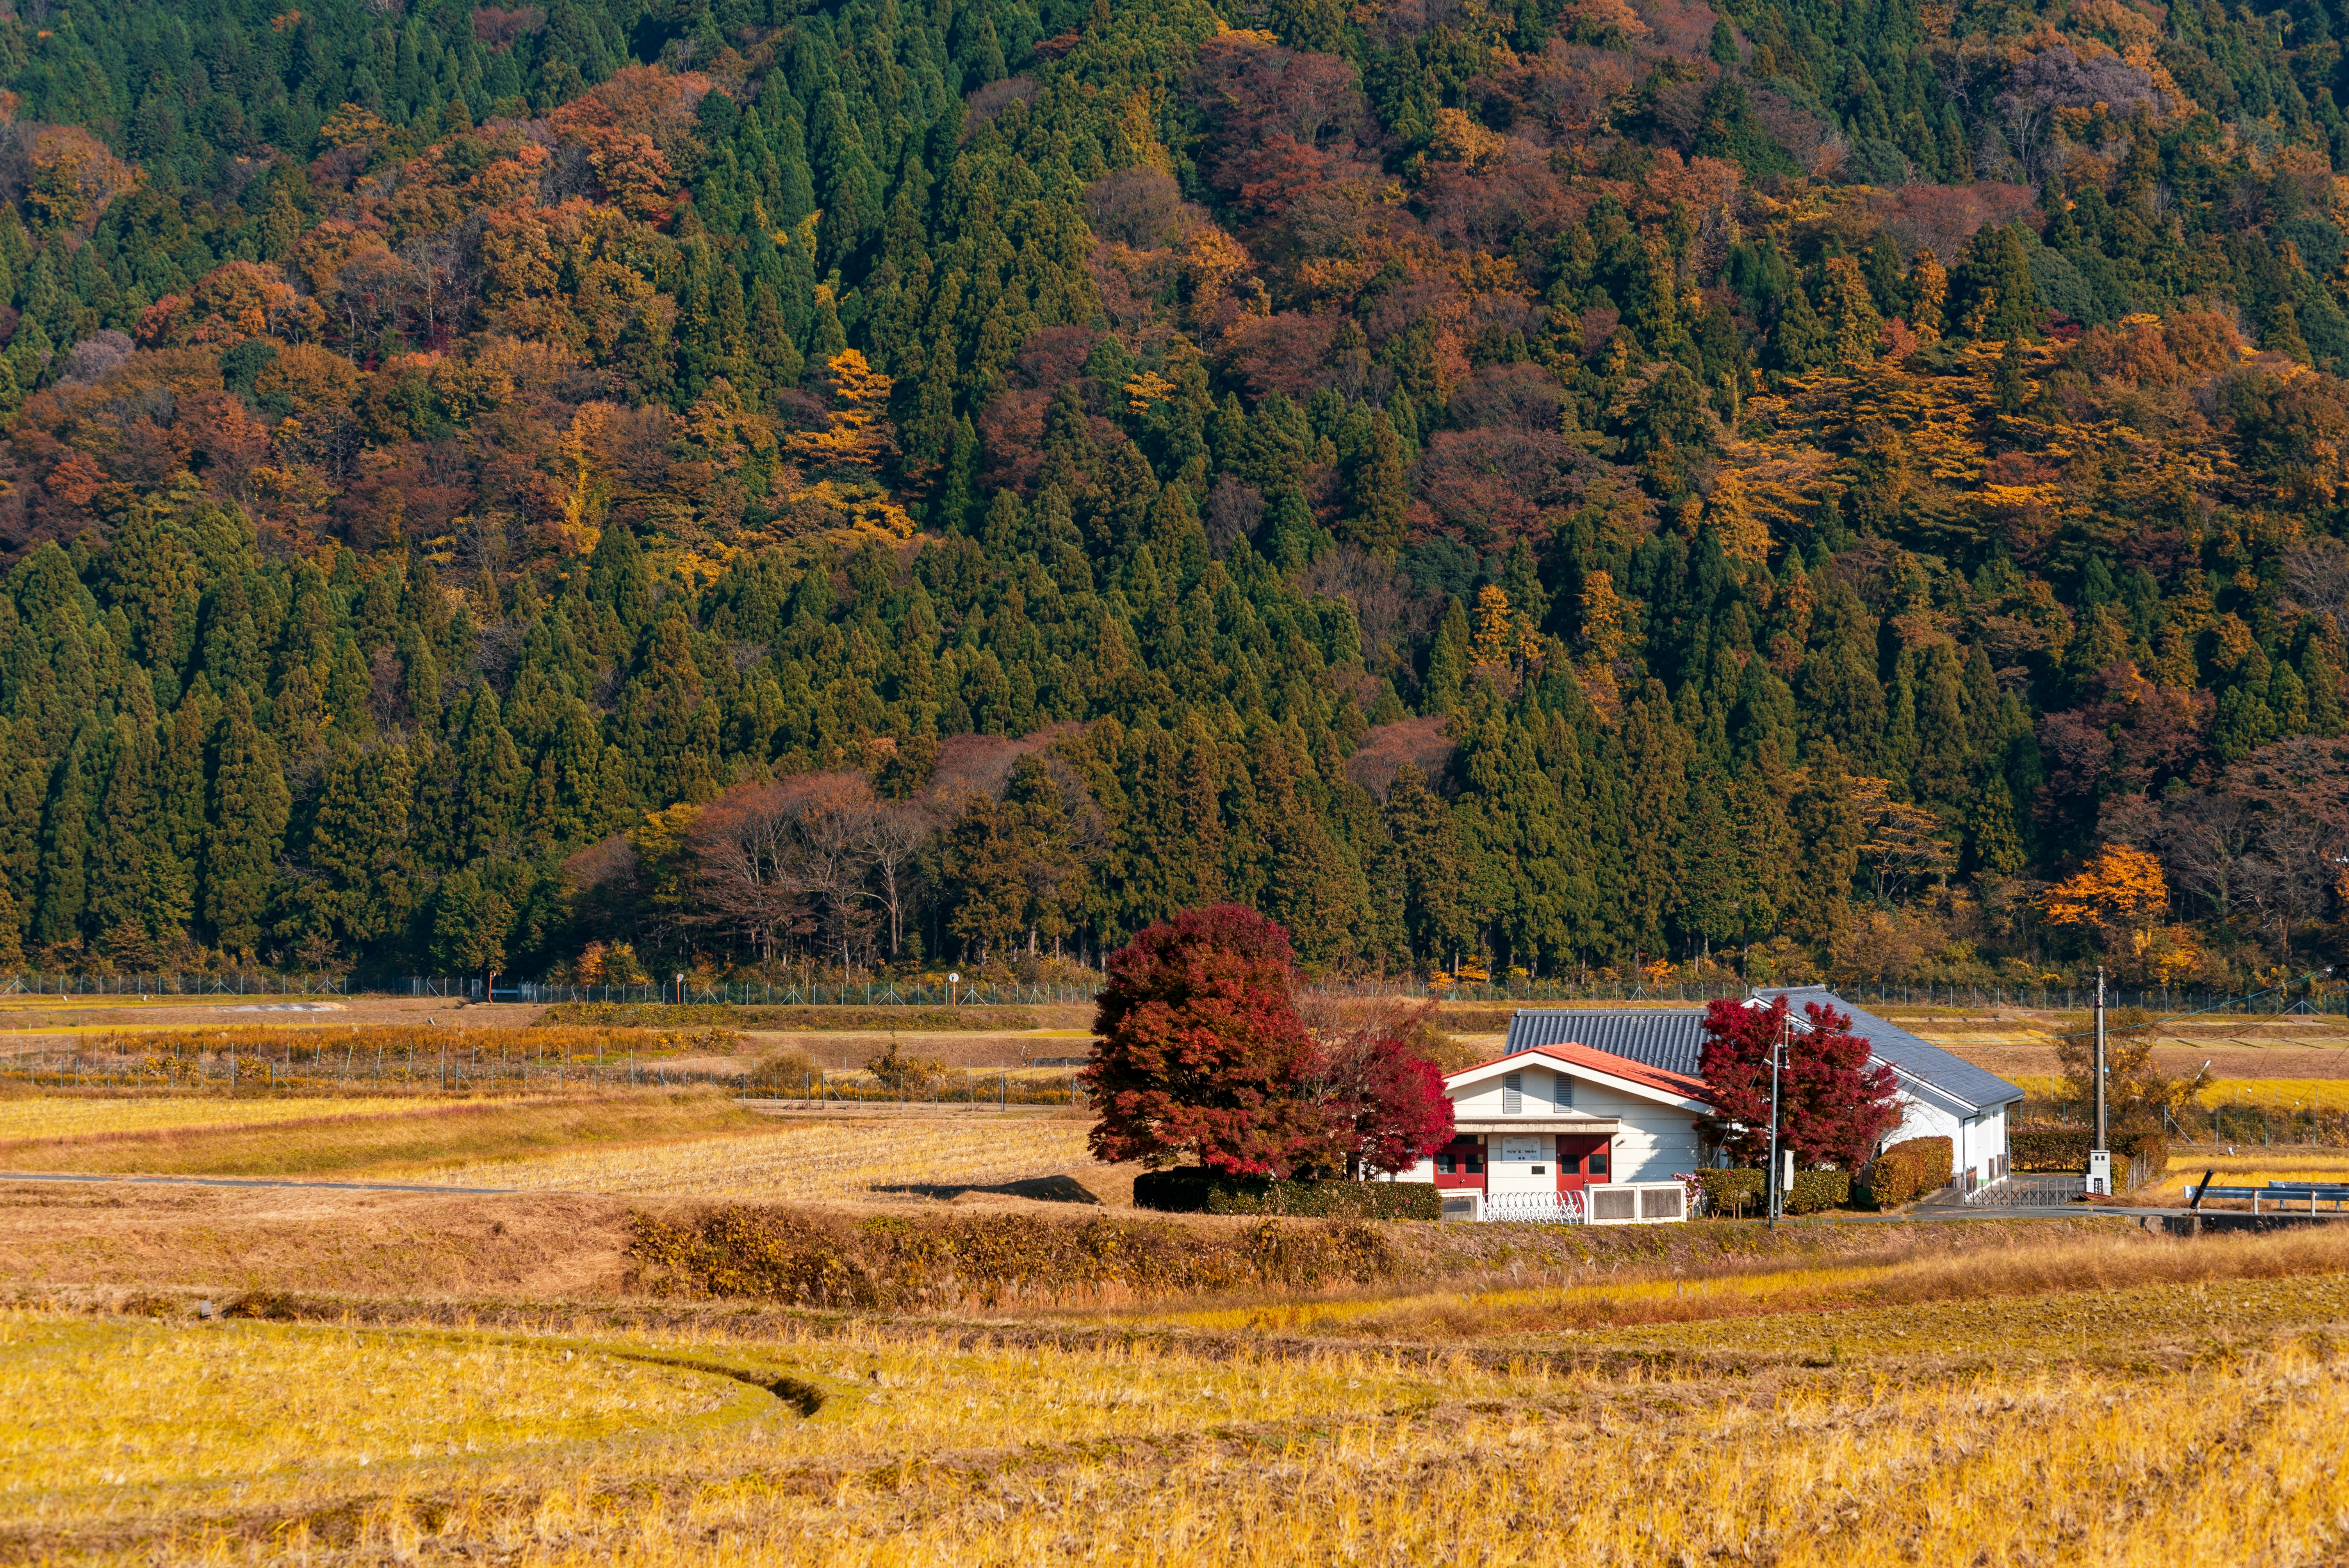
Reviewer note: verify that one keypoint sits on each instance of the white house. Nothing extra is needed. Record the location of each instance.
(1559, 1118)
(1942, 1094)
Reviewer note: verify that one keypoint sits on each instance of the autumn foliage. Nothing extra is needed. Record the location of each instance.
(1833, 1107)
(1205, 1060)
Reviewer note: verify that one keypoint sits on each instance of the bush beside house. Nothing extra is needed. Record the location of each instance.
(1909, 1170)
(1190, 1190)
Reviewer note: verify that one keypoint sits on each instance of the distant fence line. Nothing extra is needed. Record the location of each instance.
(921, 993)
(326, 1065)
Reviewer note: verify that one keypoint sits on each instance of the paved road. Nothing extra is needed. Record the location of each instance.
(244, 1181)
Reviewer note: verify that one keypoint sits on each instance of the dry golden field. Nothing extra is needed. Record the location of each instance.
(835, 1156)
(694, 1142)
(2153, 1423)
(321, 1376)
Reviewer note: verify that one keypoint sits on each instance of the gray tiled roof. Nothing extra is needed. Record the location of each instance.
(1671, 1038)
(1674, 1039)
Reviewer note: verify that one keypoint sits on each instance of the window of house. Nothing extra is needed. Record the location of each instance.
(1513, 1098)
(1443, 1163)
(1598, 1161)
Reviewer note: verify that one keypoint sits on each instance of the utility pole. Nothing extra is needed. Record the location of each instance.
(2100, 1159)
(1777, 1050)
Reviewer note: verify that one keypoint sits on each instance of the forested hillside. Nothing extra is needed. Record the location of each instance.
(1542, 486)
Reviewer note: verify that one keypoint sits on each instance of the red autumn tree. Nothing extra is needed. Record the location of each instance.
(1377, 1086)
(1832, 1106)
(1403, 1114)
(1202, 1058)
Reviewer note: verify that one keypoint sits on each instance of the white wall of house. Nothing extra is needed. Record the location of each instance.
(1656, 1141)
(1976, 1142)
(1512, 1161)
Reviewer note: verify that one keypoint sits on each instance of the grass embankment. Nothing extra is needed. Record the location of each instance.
(1925, 1263)
(37, 1117)
(2194, 1423)
(341, 1140)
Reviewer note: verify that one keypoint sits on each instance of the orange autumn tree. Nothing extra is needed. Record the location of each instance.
(2120, 891)
(2117, 900)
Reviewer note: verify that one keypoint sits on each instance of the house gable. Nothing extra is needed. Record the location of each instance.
(1568, 1062)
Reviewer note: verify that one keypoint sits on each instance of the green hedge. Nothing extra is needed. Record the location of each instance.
(2067, 1147)
(1190, 1190)
(1909, 1170)
(1817, 1190)
(1729, 1193)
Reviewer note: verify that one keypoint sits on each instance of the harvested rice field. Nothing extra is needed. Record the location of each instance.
(2198, 1422)
(804, 1159)
(702, 1335)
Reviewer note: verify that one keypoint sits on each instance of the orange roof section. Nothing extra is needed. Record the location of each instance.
(1607, 1062)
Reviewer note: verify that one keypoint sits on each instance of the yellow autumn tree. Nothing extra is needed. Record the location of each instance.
(1730, 510)
(860, 435)
(1932, 287)
(2118, 897)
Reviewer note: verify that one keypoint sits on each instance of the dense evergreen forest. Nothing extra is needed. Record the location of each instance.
(1820, 487)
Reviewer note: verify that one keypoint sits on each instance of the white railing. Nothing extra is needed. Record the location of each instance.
(1613, 1203)
(1534, 1208)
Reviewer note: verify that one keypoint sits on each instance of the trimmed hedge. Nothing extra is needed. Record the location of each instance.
(1190, 1190)
(1732, 1192)
(2066, 1149)
(2049, 1148)
(1816, 1189)
(1909, 1170)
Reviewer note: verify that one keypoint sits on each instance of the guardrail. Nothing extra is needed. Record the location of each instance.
(2280, 1193)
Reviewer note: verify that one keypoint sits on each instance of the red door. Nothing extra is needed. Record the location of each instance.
(1460, 1165)
(1582, 1162)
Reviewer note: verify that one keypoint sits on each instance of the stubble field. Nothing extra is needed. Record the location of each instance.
(307, 1374)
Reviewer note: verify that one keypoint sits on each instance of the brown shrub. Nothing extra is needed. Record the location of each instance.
(986, 1260)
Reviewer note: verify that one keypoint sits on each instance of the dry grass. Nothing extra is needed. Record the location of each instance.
(141, 1405)
(323, 1138)
(2207, 1426)
(1920, 1272)
(2249, 1094)
(45, 1117)
(812, 1158)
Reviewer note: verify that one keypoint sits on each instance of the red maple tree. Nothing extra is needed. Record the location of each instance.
(1205, 1060)
(1832, 1106)
(1377, 1086)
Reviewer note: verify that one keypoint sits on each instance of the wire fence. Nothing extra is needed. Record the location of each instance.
(886, 992)
(2264, 1124)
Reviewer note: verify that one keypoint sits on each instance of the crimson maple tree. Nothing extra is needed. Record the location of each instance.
(1833, 1107)
(1205, 1060)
